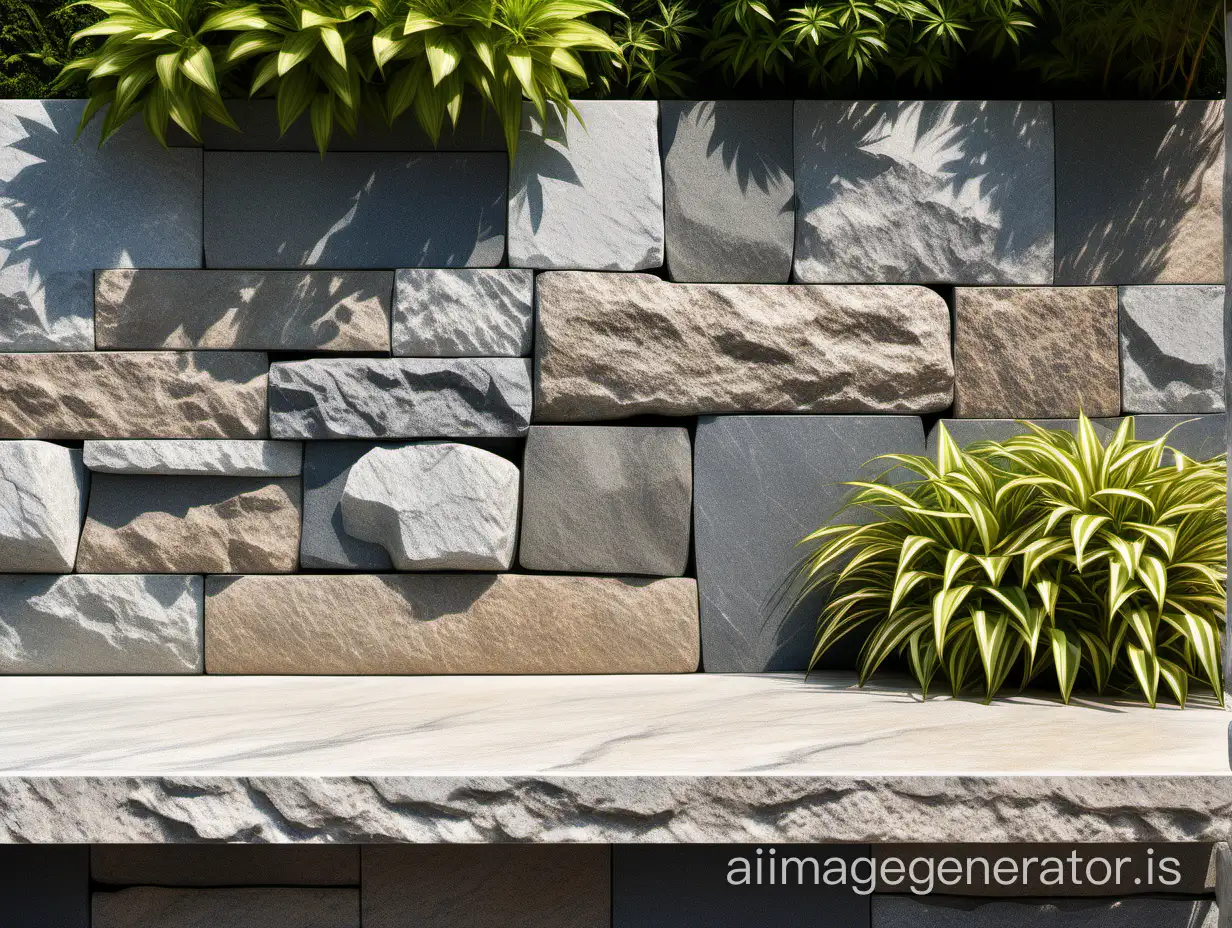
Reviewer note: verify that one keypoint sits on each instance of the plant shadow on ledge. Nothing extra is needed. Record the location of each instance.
(1048, 552)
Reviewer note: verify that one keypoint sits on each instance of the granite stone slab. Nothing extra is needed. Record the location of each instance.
(728, 190)
(400, 398)
(321, 311)
(607, 499)
(191, 525)
(68, 206)
(609, 346)
(41, 886)
(224, 865)
(354, 210)
(92, 624)
(514, 886)
(1172, 352)
(905, 912)
(324, 542)
(160, 907)
(43, 490)
(761, 484)
(153, 394)
(1140, 192)
(924, 192)
(1036, 352)
(189, 458)
(588, 197)
(450, 623)
(463, 313)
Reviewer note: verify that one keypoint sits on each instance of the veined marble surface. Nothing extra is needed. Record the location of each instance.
(611, 759)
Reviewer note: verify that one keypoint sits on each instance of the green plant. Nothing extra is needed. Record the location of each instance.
(34, 46)
(1046, 551)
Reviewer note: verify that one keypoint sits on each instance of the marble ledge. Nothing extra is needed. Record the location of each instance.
(700, 758)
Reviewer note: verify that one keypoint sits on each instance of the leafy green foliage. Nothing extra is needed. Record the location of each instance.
(1048, 551)
(34, 46)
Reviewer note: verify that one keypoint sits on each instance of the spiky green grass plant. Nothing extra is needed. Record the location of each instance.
(1049, 555)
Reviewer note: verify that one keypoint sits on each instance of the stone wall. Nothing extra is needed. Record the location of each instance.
(405, 410)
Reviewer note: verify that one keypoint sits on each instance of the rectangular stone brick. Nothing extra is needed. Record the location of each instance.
(904, 912)
(156, 394)
(1172, 350)
(261, 310)
(156, 907)
(44, 886)
(224, 864)
(450, 623)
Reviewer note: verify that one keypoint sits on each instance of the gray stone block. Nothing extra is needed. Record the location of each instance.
(224, 865)
(924, 192)
(466, 313)
(728, 190)
(400, 398)
(324, 542)
(1139, 192)
(1172, 353)
(189, 458)
(1133, 912)
(45, 885)
(354, 210)
(43, 489)
(589, 198)
(463, 886)
(157, 907)
(607, 499)
(69, 207)
(761, 485)
(262, 310)
(89, 623)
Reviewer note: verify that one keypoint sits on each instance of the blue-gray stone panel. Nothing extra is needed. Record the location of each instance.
(1172, 352)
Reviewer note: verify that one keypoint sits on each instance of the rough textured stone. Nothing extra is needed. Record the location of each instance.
(450, 623)
(45, 886)
(192, 525)
(435, 506)
(263, 310)
(460, 886)
(43, 490)
(158, 907)
(588, 197)
(196, 458)
(905, 912)
(761, 485)
(1139, 192)
(1036, 352)
(87, 623)
(224, 865)
(324, 542)
(156, 394)
(924, 192)
(1172, 357)
(400, 398)
(374, 210)
(609, 346)
(68, 206)
(728, 190)
(607, 499)
(486, 313)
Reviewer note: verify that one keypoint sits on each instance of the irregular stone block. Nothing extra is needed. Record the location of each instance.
(157, 907)
(588, 197)
(1139, 192)
(362, 210)
(224, 865)
(907, 912)
(196, 458)
(1036, 352)
(435, 506)
(45, 885)
(70, 206)
(728, 190)
(450, 623)
(465, 313)
(324, 542)
(88, 623)
(191, 525)
(43, 490)
(761, 485)
(607, 499)
(608, 346)
(1172, 357)
(924, 192)
(512, 885)
(150, 394)
(400, 398)
(263, 310)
